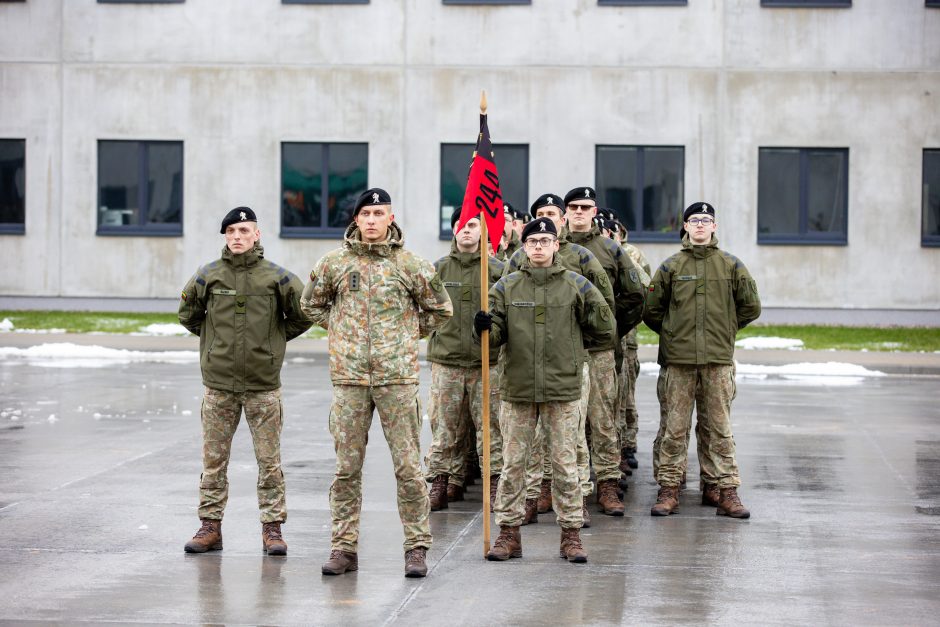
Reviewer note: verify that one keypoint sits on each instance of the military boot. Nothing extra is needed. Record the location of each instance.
(494, 485)
(415, 565)
(472, 471)
(208, 538)
(454, 493)
(630, 454)
(508, 544)
(438, 493)
(729, 504)
(607, 499)
(585, 514)
(271, 540)
(624, 465)
(340, 562)
(531, 512)
(711, 495)
(667, 501)
(545, 496)
(571, 548)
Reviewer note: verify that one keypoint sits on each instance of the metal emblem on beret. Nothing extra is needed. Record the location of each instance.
(241, 214)
(375, 198)
(587, 193)
(550, 200)
(704, 207)
(542, 227)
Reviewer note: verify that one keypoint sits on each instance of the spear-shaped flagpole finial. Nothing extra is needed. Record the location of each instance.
(483, 101)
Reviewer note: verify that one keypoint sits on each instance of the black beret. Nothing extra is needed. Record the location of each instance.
(698, 207)
(507, 207)
(372, 196)
(236, 215)
(581, 193)
(546, 200)
(539, 225)
(612, 225)
(598, 222)
(455, 217)
(606, 213)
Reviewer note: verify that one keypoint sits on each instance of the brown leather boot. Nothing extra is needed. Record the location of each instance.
(438, 493)
(585, 514)
(729, 504)
(667, 501)
(571, 548)
(494, 485)
(271, 540)
(208, 538)
(625, 466)
(711, 495)
(545, 496)
(415, 565)
(607, 499)
(508, 544)
(454, 493)
(340, 562)
(531, 512)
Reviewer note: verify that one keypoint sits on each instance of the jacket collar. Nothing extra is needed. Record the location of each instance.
(466, 259)
(352, 240)
(585, 237)
(243, 260)
(541, 276)
(699, 250)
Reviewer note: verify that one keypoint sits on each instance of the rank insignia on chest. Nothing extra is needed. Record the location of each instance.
(353, 281)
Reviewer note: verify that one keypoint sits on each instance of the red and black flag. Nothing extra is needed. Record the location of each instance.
(483, 195)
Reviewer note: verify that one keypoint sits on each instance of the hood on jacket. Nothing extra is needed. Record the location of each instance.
(247, 258)
(352, 239)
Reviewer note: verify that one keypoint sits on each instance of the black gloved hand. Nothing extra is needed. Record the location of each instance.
(482, 321)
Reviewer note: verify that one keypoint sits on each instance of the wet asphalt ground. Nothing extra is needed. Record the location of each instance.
(99, 470)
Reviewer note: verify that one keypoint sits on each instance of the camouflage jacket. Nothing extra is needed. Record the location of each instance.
(577, 259)
(244, 309)
(453, 344)
(698, 300)
(376, 301)
(511, 247)
(643, 265)
(624, 275)
(543, 316)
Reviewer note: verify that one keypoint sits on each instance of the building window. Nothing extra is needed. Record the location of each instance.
(141, 1)
(324, 1)
(140, 187)
(642, 3)
(320, 183)
(930, 223)
(643, 185)
(512, 163)
(802, 196)
(12, 186)
(486, 2)
(808, 4)
(933, 3)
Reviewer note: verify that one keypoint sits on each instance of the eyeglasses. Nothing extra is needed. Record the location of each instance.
(584, 208)
(543, 242)
(702, 221)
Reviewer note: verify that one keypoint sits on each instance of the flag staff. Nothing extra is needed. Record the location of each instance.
(485, 365)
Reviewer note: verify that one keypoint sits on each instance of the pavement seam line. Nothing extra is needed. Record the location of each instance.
(401, 607)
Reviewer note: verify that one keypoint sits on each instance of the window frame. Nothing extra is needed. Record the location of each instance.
(642, 3)
(446, 234)
(809, 4)
(486, 2)
(16, 228)
(926, 241)
(162, 229)
(652, 237)
(141, 1)
(316, 232)
(932, 4)
(325, 1)
(804, 238)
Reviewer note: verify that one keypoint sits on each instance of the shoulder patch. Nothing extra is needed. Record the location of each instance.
(284, 279)
(436, 284)
(500, 286)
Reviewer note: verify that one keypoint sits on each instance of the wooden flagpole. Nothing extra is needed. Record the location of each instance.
(485, 365)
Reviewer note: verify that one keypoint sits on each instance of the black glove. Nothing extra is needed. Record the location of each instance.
(482, 321)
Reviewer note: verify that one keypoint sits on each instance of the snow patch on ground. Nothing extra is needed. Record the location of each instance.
(830, 373)
(6, 325)
(171, 328)
(68, 355)
(769, 343)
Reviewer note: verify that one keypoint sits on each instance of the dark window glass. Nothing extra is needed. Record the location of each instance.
(12, 185)
(320, 183)
(141, 1)
(512, 163)
(641, 3)
(643, 185)
(487, 2)
(933, 3)
(930, 229)
(324, 1)
(802, 196)
(140, 188)
(810, 4)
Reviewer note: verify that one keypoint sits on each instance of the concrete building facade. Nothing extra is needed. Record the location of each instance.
(235, 79)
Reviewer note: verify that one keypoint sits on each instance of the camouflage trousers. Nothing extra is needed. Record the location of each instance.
(712, 389)
(350, 419)
(557, 421)
(221, 413)
(627, 417)
(456, 394)
(601, 416)
(701, 435)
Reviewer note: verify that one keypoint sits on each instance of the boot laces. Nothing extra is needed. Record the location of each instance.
(663, 495)
(416, 555)
(207, 528)
(732, 497)
(503, 539)
(272, 532)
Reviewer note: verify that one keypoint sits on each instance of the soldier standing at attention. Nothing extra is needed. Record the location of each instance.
(510, 242)
(540, 313)
(376, 300)
(455, 365)
(698, 300)
(244, 309)
(629, 295)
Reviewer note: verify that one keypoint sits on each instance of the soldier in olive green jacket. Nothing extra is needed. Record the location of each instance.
(698, 300)
(244, 309)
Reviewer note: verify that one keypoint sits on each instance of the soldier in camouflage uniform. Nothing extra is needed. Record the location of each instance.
(698, 300)
(456, 371)
(510, 242)
(629, 295)
(542, 314)
(376, 300)
(244, 309)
